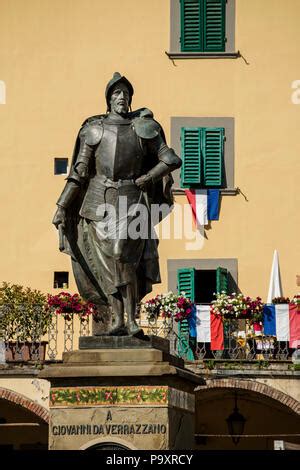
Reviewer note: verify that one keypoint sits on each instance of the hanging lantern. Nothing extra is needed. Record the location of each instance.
(235, 423)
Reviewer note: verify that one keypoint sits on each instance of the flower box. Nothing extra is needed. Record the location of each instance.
(237, 306)
(67, 305)
(24, 352)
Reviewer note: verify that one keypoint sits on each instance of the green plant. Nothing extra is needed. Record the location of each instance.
(210, 364)
(24, 315)
(263, 364)
(294, 366)
(232, 365)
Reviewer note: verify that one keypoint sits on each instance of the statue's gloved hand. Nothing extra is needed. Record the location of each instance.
(59, 216)
(143, 181)
(82, 170)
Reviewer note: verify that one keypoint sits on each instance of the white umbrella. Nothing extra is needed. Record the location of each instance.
(275, 289)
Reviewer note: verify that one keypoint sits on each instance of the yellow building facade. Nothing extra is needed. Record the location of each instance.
(56, 58)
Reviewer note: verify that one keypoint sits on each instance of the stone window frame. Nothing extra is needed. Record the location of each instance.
(175, 47)
(177, 122)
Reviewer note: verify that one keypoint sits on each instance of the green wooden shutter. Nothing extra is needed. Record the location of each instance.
(222, 280)
(214, 25)
(191, 25)
(191, 156)
(203, 25)
(186, 345)
(186, 282)
(213, 155)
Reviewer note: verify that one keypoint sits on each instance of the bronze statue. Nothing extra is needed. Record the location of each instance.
(120, 156)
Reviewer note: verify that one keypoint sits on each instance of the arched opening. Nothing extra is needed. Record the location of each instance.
(108, 446)
(266, 419)
(105, 444)
(22, 428)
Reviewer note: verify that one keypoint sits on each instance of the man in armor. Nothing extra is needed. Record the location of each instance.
(120, 156)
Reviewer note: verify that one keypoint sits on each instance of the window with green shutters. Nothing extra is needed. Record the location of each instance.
(186, 282)
(191, 156)
(203, 25)
(202, 153)
(221, 280)
(201, 284)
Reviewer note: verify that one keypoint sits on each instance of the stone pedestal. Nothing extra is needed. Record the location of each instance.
(121, 392)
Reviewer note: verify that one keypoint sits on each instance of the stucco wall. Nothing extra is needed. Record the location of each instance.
(33, 389)
(288, 386)
(56, 58)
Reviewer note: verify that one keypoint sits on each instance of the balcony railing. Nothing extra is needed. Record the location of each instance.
(62, 336)
(64, 332)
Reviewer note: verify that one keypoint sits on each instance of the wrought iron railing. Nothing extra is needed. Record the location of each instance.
(64, 331)
(62, 336)
(240, 343)
(166, 328)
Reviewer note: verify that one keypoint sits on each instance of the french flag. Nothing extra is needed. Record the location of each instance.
(204, 204)
(209, 328)
(283, 321)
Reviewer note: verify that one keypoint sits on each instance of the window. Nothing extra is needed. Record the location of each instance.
(202, 153)
(202, 25)
(202, 28)
(206, 146)
(60, 166)
(61, 280)
(200, 278)
(200, 285)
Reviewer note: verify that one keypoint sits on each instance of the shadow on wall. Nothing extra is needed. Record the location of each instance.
(232, 285)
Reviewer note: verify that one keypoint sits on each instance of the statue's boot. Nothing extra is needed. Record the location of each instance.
(132, 327)
(118, 331)
(118, 326)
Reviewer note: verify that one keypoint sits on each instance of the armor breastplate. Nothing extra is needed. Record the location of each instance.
(119, 154)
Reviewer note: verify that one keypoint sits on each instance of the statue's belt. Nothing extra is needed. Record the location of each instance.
(108, 183)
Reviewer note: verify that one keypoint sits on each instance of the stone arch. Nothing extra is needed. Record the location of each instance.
(21, 400)
(256, 387)
(104, 440)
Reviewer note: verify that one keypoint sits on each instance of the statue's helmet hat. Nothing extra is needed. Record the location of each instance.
(117, 78)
